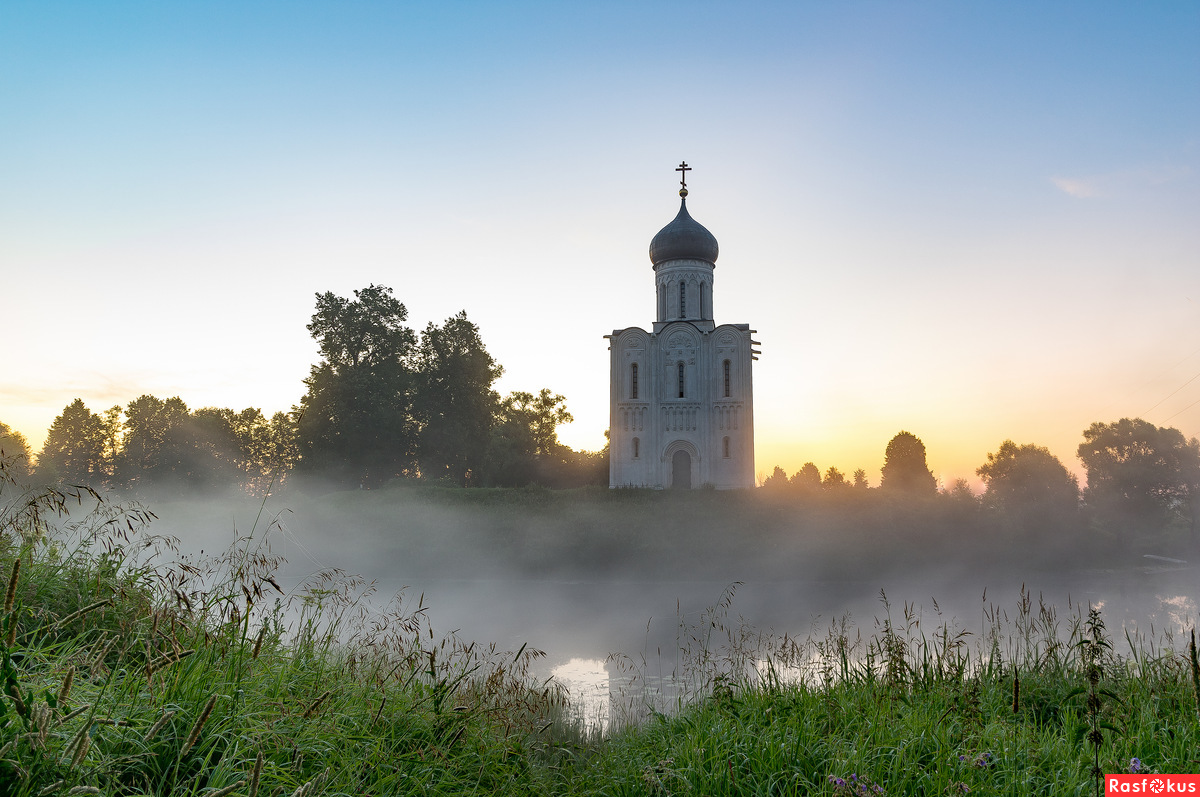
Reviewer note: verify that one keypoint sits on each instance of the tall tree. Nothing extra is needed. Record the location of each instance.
(158, 440)
(76, 446)
(1142, 472)
(1028, 477)
(904, 467)
(455, 404)
(14, 455)
(807, 478)
(355, 421)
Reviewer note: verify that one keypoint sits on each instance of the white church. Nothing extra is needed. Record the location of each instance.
(681, 397)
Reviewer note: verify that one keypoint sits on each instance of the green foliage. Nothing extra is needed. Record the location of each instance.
(525, 449)
(1139, 473)
(80, 446)
(1031, 488)
(454, 403)
(1028, 476)
(355, 421)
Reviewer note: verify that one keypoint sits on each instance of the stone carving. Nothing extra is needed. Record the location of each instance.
(679, 339)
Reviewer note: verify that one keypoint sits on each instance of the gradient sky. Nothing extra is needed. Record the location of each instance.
(970, 221)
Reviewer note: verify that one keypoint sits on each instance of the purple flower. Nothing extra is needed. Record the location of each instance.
(1135, 765)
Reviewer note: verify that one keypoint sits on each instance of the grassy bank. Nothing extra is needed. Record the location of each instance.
(129, 671)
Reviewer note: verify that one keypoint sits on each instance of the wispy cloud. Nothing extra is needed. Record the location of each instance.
(92, 388)
(1121, 182)
(1081, 188)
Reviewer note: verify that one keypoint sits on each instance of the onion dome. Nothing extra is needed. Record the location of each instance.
(683, 239)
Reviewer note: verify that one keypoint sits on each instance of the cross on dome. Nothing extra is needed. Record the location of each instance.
(683, 169)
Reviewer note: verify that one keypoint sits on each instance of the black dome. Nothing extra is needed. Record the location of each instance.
(683, 239)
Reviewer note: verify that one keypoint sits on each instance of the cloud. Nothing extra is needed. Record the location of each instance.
(1121, 182)
(1081, 188)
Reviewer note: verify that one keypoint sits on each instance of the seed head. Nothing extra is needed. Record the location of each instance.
(11, 596)
(195, 734)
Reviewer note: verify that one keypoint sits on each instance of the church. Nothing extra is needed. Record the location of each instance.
(681, 397)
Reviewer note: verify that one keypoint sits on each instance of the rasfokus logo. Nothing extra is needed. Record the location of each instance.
(1151, 784)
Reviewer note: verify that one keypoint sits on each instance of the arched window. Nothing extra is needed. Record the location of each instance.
(681, 375)
(726, 369)
(682, 299)
(725, 448)
(662, 302)
(633, 380)
(705, 312)
(637, 446)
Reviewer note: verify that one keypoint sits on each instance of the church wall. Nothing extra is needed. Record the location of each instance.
(661, 422)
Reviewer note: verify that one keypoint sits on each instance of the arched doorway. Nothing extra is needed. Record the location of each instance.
(681, 470)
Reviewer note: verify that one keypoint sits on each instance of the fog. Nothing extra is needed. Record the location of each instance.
(586, 574)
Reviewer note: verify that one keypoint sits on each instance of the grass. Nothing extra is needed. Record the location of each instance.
(128, 670)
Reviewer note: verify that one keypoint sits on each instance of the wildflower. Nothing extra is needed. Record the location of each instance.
(1135, 765)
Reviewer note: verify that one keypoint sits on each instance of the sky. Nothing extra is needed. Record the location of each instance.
(970, 221)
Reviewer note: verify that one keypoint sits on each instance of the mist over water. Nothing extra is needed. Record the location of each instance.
(587, 574)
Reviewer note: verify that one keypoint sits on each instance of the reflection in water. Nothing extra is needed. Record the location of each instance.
(588, 687)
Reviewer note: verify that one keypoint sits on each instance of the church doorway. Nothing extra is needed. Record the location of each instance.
(681, 471)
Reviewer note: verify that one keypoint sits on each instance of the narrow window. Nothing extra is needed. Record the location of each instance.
(704, 311)
(633, 380)
(637, 445)
(681, 378)
(725, 447)
(682, 299)
(726, 379)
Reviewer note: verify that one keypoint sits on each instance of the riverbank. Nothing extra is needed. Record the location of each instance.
(127, 673)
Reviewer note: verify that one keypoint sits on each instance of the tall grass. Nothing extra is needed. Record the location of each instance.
(921, 706)
(127, 669)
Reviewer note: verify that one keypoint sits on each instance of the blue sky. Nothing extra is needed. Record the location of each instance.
(971, 221)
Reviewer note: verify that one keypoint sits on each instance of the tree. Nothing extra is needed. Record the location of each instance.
(355, 421)
(541, 415)
(904, 467)
(1141, 472)
(267, 447)
(158, 441)
(14, 455)
(807, 478)
(834, 480)
(1028, 477)
(454, 403)
(524, 445)
(860, 479)
(777, 480)
(76, 446)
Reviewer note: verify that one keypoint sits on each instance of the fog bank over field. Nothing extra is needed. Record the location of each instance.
(593, 572)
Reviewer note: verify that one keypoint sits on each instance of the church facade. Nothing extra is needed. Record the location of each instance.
(681, 403)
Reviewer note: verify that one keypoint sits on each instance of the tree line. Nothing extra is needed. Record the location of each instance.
(383, 403)
(1141, 478)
